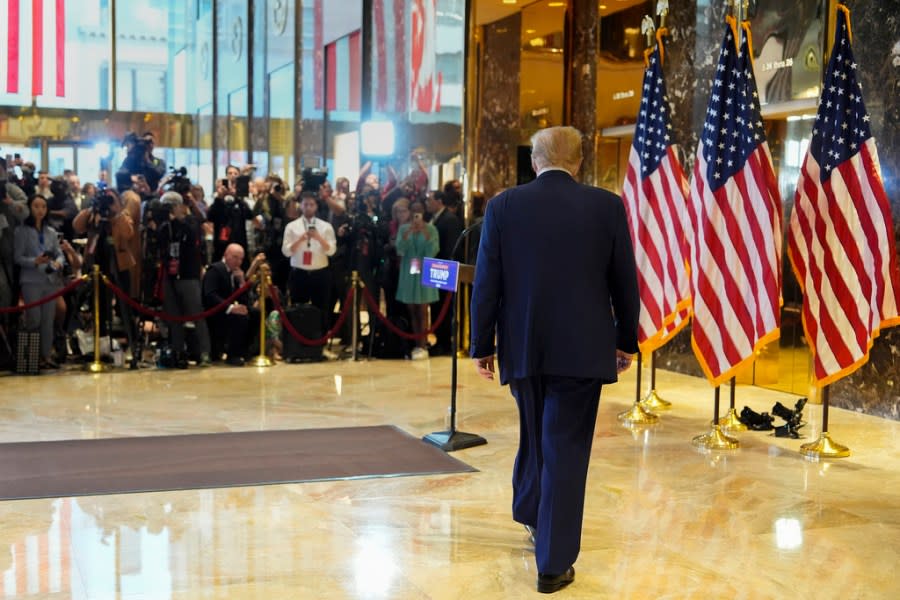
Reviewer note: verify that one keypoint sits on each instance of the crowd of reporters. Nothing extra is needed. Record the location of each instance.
(153, 233)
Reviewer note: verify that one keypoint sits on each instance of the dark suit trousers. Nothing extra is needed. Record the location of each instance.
(556, 429)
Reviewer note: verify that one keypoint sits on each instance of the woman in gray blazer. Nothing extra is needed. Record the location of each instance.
(38, 255)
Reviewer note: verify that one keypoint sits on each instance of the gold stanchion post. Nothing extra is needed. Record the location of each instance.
(824, 447)
(716, 439)
(731, 421)
(97, 366)
(265, 280)
(354, 336)
(637, 415)
(652, 402)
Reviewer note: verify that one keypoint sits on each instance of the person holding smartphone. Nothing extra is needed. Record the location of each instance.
(38, 254)
(415, 241)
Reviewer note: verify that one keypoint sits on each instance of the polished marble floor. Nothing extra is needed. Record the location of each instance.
(663, 520)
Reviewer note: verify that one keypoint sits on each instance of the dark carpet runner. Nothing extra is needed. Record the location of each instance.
(211, 460)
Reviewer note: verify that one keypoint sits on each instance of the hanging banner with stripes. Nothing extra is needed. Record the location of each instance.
(343, 76)
(841, 237)
(654, 194)
(33, 46)
(736, 220)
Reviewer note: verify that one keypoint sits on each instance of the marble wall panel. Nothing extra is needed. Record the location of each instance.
(498, 117)
(585, 43)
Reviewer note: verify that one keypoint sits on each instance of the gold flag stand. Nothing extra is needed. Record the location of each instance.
(637, 414)
(730, 421)
(716, 439)
(824, 447)
(265, 280)
(652, 402)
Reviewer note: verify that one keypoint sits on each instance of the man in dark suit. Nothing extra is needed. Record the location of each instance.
(230, 328)
(443, 209)
(556, 280)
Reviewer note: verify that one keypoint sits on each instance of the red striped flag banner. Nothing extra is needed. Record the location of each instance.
(841, 237)
(38, 56)
(343, 61)
(654, 194)
(390, 73)
(736, 220)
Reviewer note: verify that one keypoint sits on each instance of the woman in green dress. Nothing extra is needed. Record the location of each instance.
(415, 241)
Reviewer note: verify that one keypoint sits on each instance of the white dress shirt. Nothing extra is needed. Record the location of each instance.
(318, 257)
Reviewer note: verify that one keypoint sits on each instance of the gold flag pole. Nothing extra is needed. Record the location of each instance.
(716, 439)
(637, 415)
(824, 447)
(262, 360)
(97, 366)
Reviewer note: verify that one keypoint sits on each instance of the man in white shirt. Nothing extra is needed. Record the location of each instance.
(309, 241)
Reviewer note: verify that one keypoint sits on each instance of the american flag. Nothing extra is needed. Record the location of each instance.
(655, 193)
(736, 218)
(841, 238)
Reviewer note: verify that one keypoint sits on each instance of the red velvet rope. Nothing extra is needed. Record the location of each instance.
(286, 322)
(373, 304)
(167, 317)
(62, 292)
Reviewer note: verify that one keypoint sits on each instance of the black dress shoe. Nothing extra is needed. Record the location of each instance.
(547, 583)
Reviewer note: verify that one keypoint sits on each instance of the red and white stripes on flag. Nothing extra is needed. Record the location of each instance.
(343, 60)
(841, 237)
(736, 219)
(654, 194)
(35, 47)
(389, 76)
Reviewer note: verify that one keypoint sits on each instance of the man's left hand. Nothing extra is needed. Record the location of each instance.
(623, 361)
(485, 366)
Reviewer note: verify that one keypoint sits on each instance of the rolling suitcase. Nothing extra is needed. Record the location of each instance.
(28, 349)
(307, 320)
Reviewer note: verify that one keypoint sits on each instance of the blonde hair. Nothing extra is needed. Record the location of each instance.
(557, 147)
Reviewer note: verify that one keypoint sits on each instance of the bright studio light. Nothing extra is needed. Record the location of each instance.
(102, 148)
(377, 138)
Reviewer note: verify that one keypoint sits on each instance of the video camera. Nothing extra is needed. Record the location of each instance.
(313, 178)
(138, 146)
(179, 181)
(103, 201)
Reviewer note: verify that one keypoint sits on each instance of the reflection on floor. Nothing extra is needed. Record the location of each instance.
(663, 520)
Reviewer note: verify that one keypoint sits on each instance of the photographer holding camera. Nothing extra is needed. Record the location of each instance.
(179, 242)
(229, 214)
(139, 160)
(38, 255)
(113, 244)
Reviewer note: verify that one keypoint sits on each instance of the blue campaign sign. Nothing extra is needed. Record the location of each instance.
(440, 274)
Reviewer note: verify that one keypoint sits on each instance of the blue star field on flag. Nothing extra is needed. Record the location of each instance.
(842, 124)
(654, 132)
(733, 127)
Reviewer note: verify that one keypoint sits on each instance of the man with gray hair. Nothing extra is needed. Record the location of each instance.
(555, 280)
(179, 243)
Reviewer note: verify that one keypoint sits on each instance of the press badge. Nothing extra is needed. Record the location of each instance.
(415, 266)
(307, 258)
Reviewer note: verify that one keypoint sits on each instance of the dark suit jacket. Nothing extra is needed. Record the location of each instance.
(449, 226)
(556, 280)
(217, 286)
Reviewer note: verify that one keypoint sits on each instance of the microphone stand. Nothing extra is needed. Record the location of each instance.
(451, 439)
